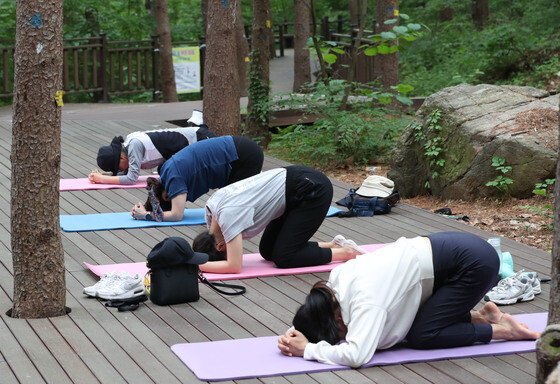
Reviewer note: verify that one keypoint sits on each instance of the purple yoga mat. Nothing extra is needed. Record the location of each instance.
(260, 357)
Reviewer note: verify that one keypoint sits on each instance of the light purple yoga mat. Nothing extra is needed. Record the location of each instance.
(260, 357)
(83, 184)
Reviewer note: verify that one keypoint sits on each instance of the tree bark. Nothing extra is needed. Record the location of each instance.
(480, 13)
(242, 54)
(362, 11)
(259, 89)
(168, 86)
(354, 11)
(548, 351)
(38, 258)
(302, 32)
(221, 75)
(386, 67)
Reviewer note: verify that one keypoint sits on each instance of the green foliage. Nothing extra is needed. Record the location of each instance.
(259, 96)
(544, 188)
(429, 136)
(362, 135)
(501, 182)
(521, 37)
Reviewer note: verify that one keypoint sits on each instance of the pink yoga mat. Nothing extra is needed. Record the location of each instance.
(83, 184)
(253, 266)
(259, 357)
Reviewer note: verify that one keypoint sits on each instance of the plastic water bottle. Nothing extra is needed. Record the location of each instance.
(496, 243)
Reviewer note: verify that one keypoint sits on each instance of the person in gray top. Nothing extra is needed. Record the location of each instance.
(287, 204)
(124, 158)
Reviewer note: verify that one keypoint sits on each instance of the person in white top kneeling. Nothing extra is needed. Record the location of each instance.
(287, 205)
(420, 290)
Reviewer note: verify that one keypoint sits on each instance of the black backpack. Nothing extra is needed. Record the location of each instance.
(367, 206)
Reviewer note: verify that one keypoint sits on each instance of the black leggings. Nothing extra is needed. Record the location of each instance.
(249, 161)
(285, 241)
(465, 268)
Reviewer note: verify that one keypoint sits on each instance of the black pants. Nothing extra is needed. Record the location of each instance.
(465, 268)
(249, 162)
(285, 241)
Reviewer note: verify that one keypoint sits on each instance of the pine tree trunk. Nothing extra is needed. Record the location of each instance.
(38, 258)
(259, 89)
(386, 67)
(480, 13)
(548, 346)
(302, 32)
(354, 11)
(221, 75)
(242, 55)
(168, 86)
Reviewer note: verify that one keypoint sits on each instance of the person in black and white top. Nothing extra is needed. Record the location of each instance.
(287, 204)
(143, 150)
(422, 290)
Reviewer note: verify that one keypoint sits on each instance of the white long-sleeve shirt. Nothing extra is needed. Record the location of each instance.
(379, 294)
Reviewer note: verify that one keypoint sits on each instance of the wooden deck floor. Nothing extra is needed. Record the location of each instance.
(98, 344)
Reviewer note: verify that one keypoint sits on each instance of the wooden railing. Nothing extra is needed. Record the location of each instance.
(100, 67)
(103, 68)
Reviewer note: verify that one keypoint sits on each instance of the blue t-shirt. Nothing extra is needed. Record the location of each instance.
(201, 166)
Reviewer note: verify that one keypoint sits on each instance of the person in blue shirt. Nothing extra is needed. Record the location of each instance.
(194, 170)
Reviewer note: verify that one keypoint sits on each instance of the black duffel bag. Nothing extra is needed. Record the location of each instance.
(174, 273)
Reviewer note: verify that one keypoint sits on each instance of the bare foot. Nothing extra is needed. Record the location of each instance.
(510, 329)
(491, 313)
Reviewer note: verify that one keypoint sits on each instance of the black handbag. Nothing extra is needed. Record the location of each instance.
(174, 273)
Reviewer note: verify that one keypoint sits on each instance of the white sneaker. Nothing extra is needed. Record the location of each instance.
(106, 280)
(124, 288)
(341, 241)
(511, 290)
(533, 278)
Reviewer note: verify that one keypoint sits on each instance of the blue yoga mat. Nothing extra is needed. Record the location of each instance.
(124, 220)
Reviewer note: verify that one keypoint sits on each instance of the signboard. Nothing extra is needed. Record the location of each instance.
(186, 63)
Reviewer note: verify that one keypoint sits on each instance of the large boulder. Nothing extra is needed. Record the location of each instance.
(518, 124)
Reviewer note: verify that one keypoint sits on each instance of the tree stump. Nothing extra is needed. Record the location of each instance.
(548, 352)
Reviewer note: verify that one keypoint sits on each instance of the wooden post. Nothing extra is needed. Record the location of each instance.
(281, 38)
(103, 68)
(325, 34)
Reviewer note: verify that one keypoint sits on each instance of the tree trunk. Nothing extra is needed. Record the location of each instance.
(259, 89)
(480, 13)
(386, 67)
(38, 257)
(271, 42)
(242, 54)
(446, 13)
(362, 11)
(354, 10)
(204, 10)
(302, 32)
(168, 86)
(548, 351)
(221, 76)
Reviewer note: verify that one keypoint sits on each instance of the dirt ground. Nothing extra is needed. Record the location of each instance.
(528, 221)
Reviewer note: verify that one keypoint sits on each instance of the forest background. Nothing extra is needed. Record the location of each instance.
(519, 44)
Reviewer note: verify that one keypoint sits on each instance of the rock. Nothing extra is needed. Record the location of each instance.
(518, 124)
